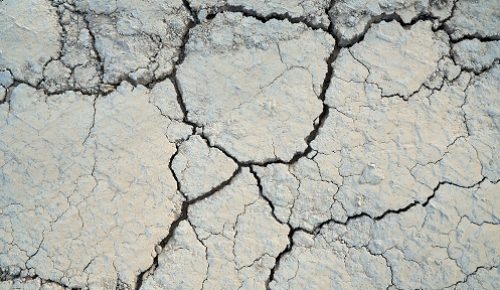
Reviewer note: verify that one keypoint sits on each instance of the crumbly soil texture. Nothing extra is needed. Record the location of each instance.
(230, 144)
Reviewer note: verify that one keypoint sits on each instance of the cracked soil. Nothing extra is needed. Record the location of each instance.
(230, 144)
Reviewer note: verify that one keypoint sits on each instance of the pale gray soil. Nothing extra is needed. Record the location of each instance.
(229, 144)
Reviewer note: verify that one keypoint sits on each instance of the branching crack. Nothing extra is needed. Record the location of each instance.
(265, 18)
(105, 89)
(321, 119)
(393, 211)
(91, 128)
(280, 256)
(182, 216)
(466, 278)
(6, 277)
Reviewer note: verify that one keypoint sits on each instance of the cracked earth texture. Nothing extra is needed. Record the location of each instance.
(230, 144)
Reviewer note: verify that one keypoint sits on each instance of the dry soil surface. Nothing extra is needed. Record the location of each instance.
(230, 144)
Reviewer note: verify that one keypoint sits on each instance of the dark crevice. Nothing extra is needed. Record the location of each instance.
(187, 5)
(180, 59)
(449, 30)
(103, 88)
(7, 277)
(438, 24)
(217, 188)
(384, 17)
(162, 244)
(324, 88)
(265, 18)
(330, 27)
(182, 105)
(474, 72)
(392, 211)
(280, 256)
(186, 203)
(177, 182)
(312, 135)
(466, 278)
(100, 61)
(9, 90)
(92, 125)
(182, 217)
(320, 121)
(291, 231)
(476, 36)
(261, 193)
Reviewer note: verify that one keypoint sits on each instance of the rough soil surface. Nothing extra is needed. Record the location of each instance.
(227, 144)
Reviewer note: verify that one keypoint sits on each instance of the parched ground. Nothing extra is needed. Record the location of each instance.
(230, 144)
